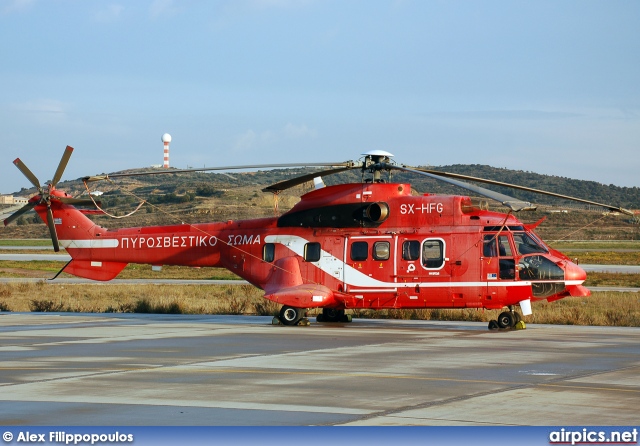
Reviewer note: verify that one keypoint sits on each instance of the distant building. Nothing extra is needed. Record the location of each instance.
(10, 199)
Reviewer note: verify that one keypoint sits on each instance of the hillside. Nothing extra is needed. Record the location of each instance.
(197, 197)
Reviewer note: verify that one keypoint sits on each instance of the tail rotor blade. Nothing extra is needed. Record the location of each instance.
(24, 209)
(63, 164)
(27, 173)
(52, 229)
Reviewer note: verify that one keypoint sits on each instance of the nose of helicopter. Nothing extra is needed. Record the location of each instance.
(574, 276)
(574, 273)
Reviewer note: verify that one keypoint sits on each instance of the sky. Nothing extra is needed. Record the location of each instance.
(545, 86)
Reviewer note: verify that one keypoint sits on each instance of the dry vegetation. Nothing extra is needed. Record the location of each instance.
(602, 308)
(98, 298)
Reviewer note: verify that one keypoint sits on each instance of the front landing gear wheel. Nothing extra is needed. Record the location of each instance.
(291, 315)
(507, 319)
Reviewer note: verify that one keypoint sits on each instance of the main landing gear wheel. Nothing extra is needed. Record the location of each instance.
(291, 315)
(333, 315)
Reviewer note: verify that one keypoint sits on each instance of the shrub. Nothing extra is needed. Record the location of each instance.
(144, 306)
(46, 306)
(264, 307)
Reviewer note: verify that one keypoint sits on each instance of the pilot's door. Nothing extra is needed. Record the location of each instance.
(498, 264)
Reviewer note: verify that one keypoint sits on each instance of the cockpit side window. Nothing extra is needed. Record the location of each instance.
(525, 244)
(489, 246)
(503, 246)
(495, 245)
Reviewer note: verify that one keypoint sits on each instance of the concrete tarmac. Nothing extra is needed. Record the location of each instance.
(133, 369)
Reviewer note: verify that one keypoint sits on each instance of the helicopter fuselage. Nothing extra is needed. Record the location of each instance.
(363, 245)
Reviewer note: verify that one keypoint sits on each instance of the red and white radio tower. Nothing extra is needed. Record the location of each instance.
(166, 139)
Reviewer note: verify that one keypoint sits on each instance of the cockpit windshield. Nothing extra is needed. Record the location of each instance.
(525, 244)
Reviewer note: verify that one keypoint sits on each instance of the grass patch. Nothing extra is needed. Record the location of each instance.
(602, 308)
(595, 244)
(605, 257)
(613, 279)
(144, 298)
(25, 242)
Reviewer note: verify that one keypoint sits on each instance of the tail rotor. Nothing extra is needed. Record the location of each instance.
(44, 195)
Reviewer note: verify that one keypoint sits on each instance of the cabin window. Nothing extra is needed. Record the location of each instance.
(411, 250)
(269, 252)
(381, 250)
(433, 253)
(359, 251)
(312, 252)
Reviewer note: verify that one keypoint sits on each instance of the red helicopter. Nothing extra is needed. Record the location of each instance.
(367, 245)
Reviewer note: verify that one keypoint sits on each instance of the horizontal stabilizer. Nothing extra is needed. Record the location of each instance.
(94, 270)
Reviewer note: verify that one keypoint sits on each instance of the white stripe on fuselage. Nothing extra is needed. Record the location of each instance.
(355, 278)
(93, 243)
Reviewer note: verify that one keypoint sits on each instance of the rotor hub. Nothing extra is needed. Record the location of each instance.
(374, 162)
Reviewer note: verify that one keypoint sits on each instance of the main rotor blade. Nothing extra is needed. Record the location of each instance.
(525, 188)
(287, 184)
(27, 173)
(52, 229)
(512, 203)
(24, 209)
(63, 164)
(206, 169)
